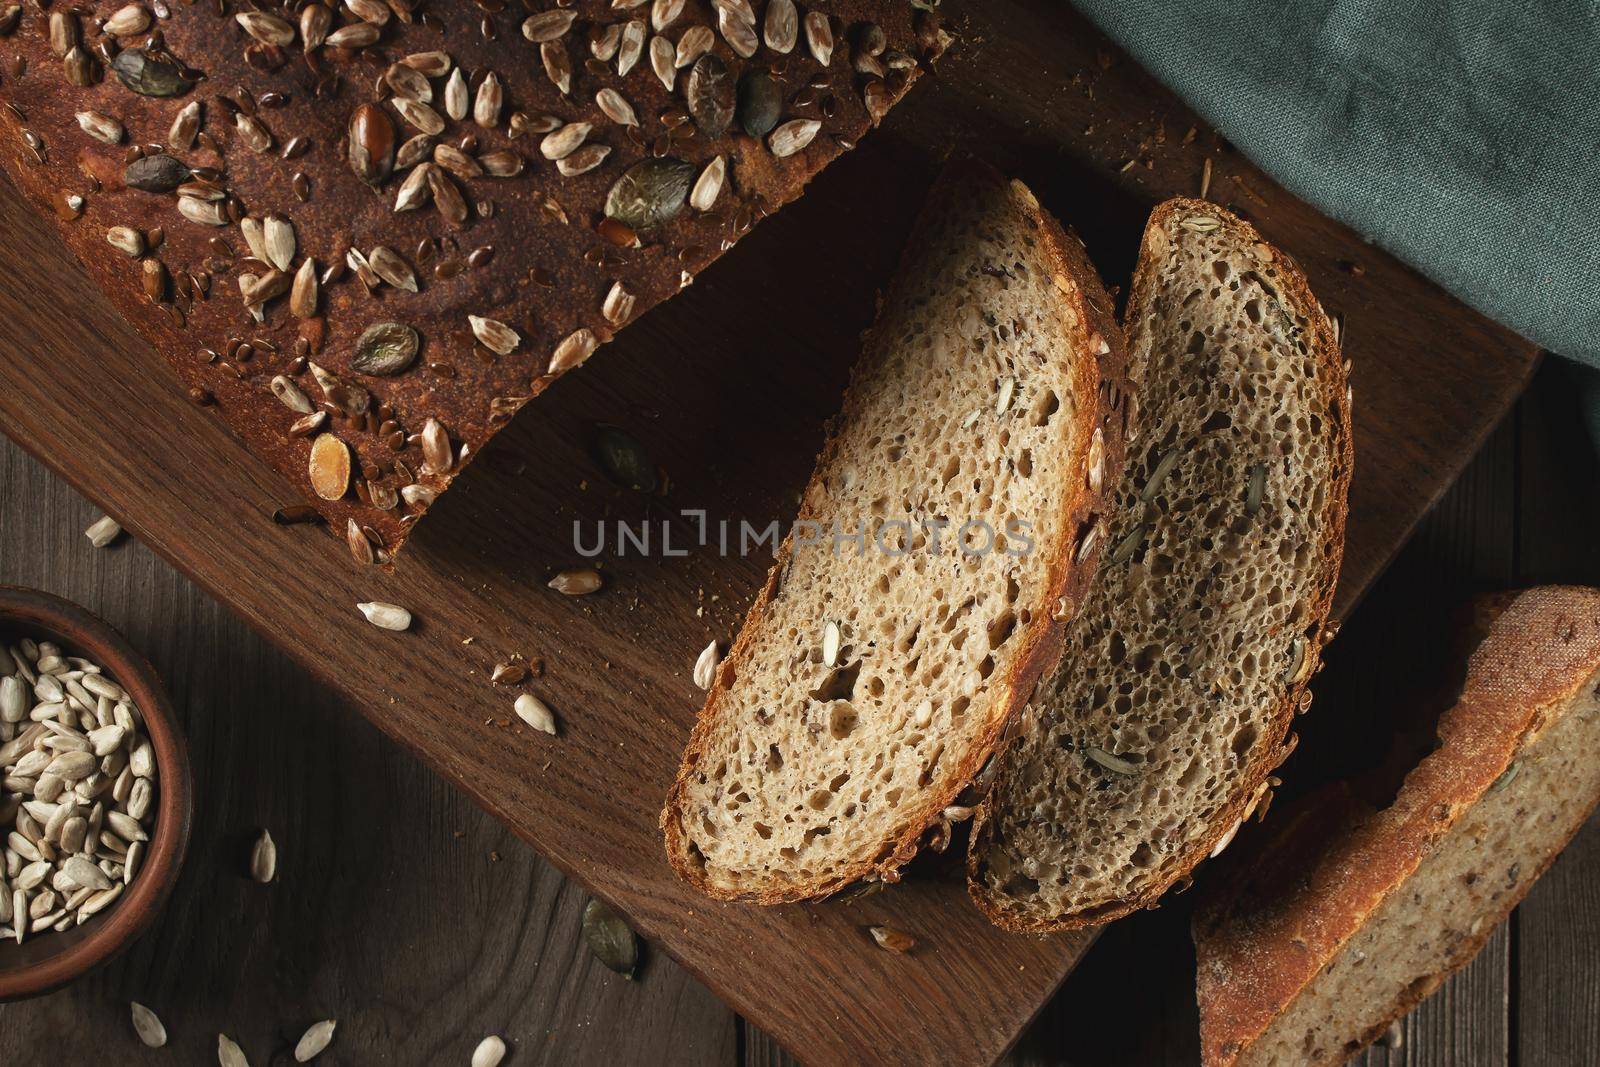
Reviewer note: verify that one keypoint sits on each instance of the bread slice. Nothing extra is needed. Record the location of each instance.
(1308, 960)
(867, 687)
(1155, 734)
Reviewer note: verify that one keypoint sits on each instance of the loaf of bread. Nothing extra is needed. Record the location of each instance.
(1313, 950)
(872, 679)
(368, 232)
(1154, 736)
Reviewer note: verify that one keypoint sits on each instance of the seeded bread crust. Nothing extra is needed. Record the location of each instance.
(534, 251)
(1101, 377)
(1034, 914)
(1273, 927)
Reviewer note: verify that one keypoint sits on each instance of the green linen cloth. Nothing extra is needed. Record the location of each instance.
(1463, 137)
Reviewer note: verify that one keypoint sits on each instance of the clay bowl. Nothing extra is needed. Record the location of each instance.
(50, 960)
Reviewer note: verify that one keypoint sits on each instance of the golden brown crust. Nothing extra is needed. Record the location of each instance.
(1101, 375)
(1268, 755)
(1264, 935)
(529, 250)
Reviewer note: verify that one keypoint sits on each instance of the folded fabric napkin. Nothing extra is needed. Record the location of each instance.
(1464, 137)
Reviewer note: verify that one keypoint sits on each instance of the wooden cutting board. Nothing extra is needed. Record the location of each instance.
(728, 385)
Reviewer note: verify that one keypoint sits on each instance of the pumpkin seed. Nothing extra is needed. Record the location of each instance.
(792, 136)
(650, 192)
(760, 102)
(610, 939)
(710, 93)
(624, 459)
(386, 349)
(150, 74)
(159, 173)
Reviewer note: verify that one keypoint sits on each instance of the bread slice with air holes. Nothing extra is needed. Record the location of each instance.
(1306, 959)
(866, 688)
(1154, 736)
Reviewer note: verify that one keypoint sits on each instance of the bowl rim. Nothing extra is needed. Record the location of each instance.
(84, 632)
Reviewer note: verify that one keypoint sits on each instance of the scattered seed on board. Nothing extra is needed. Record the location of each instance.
(147, 1025)
(577, 582)
(386, 616)
(705, 668)
(830, 644)
(229, 1054)
(536, 713)
(893, 940)
(264, 858)
(490, 1051)
(314, 1041)
(103, 531)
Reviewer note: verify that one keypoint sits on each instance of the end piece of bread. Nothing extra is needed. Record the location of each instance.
(1153, 738)
(867, 688)
(1309, 961)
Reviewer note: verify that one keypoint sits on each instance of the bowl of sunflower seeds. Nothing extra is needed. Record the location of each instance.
(95, 795)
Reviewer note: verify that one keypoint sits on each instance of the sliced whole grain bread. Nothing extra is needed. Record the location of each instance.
(868, 687)
(1154, 736)
(1311, 952)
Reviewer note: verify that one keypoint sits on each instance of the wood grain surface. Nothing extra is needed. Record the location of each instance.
(393, 914)
(728, 385)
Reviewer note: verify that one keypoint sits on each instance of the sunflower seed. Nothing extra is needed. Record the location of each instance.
(415, 190)
(563, 142)
(229, 1054)
(583, 160)
(819, 37)
(573, 351)
(205, 212)
(388, 265)
(616, 107)
(185, 126)
(576, 582)
(408, 82)
(486, 106)
(490, 1051)
(533, 711)
(456, 161)
(1163, 467)
(361, 547)
(103, 531)
(494, 335)
(314, 1041)
(695, 42)
(1200, 224)
(618, 305)
(303, 291)
(631, 46)
(792, 136)
(266, 28)
(437, 457)
(782, 27)
(830, 644)
(456, 96)
(557, 65)
(501, 163)
(887, 937)
(126, 239)
(101, 127)
(356, 35)
(147, 1025)
(705, 668)
(279, 242)
(740, 35)
(421, 116)
(1255, 488)
(386, 616)
(447, 196)
(264, 858)
(610, 939)
(314, 23)
(1114, 764)
(663, 60)
(127, 21)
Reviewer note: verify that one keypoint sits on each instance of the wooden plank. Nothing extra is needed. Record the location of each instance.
(401, 909)
(728, 384)
(1556, 965)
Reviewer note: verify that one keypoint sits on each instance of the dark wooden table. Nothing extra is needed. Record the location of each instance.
(421, 924)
